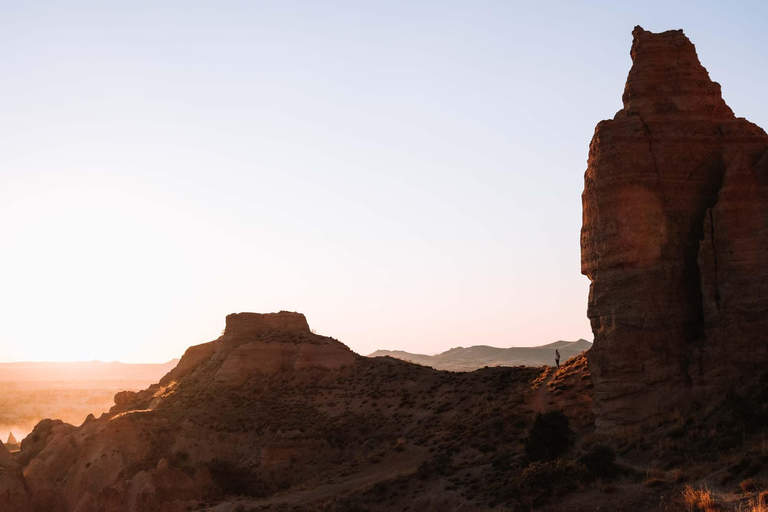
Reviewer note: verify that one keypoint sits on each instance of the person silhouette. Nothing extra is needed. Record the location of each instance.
(557, 358)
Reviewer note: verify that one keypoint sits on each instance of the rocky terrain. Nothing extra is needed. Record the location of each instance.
(461, 359)
(674, 239)
(272, 415)
(14, 493)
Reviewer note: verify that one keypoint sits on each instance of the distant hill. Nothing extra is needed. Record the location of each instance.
(478, 356)
(84, 371)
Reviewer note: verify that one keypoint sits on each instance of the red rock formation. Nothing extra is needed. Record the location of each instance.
(14, 493)
(674, 238)
(118, 461)
(254, 324)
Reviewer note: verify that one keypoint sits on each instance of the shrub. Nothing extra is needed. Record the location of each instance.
(599, 460)
(550, 437)
(542, 479)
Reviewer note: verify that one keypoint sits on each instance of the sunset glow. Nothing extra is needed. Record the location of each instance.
(416, 192)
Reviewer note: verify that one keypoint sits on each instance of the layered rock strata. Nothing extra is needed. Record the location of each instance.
(132, 458)
(674, 238)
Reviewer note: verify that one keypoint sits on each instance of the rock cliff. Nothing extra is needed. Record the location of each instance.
(14, 492)
(117, 462)
(674, 238)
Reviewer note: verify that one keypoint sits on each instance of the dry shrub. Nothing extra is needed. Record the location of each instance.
(698, 500)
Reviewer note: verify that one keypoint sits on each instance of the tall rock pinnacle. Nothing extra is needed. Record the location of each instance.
(674, 238)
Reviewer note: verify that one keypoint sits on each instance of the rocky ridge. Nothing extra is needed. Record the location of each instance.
(270, 413)
(674, 239)
(117, 460)
(462, 359)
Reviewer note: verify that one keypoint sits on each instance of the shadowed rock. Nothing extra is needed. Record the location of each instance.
(674, 238)
(14, 493)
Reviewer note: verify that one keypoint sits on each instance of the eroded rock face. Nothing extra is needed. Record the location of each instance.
(280, 355)
(255, 324)
(674, 238)
(130, 458)
(14, 493)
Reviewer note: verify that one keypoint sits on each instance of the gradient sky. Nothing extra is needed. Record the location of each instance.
(407, 174)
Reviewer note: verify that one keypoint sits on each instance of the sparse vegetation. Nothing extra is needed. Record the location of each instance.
(698, 500)
(550, 437)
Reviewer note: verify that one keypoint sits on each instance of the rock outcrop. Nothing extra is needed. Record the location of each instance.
(120, 461)
(14, 493)
(674, 238)
(271, 415)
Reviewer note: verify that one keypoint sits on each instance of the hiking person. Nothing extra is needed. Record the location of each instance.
(557, 358)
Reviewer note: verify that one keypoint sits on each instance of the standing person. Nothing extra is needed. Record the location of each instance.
(557, 358)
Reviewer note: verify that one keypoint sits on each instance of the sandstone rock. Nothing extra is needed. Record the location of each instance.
(124, 398)
(276, 356)
(674, 238)
(190, 361)
(254, 324)
(240, 328)
(124, 460)
(14, 493)
(38, 439)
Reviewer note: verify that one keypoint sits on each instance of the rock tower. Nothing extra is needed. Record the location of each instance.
(674, 238)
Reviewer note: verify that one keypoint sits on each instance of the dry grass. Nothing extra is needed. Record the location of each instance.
(698, 500)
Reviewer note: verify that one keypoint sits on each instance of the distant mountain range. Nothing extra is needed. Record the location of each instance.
(84, 371)
(478, 356)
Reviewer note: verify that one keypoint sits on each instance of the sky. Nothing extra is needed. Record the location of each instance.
(406, 174)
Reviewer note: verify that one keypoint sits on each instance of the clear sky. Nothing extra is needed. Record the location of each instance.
(407, 174)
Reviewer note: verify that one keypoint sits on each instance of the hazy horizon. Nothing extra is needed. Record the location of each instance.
(406, 175)
(383, 349)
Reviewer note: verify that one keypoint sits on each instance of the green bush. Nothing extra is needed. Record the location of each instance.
(550, 437)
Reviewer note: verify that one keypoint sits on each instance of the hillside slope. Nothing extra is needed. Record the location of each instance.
(272, 414)
(478, 356)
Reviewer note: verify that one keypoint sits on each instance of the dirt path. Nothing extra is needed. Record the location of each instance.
(389, 468)
(539, 397)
